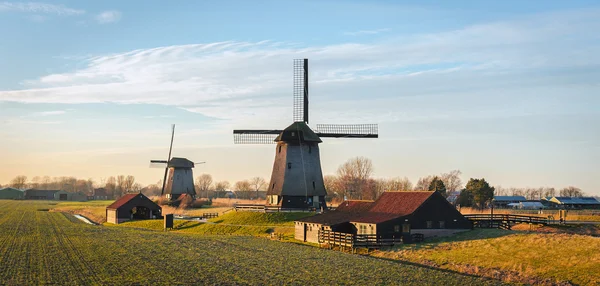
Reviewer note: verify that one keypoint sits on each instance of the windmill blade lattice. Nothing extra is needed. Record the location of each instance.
(301, 90)
(255, 136)
(348, 130)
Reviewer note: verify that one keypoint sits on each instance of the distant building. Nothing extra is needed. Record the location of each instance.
(527, 205)
(574, 202)
(132, 206)
(11, 194)
(393, 213)
(98, 194)
(33, 194)
(503, 201)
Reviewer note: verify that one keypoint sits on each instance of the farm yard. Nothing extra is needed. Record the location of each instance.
(42, 247)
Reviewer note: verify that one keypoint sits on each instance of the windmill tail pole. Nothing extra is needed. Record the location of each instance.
(162, 192)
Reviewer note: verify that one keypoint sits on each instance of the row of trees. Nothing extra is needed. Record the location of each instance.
(115, 186)
(538, 193)
(353, 180)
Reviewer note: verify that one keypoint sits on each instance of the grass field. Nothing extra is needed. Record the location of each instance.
(41, 247)
(512, 255)
(233, 223)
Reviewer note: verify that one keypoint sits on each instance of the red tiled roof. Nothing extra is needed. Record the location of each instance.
(343, 213)
(123, 200)
(392, 205)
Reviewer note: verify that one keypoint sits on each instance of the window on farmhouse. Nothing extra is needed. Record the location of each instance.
(429, 224)
(396, 228)
(442, 224)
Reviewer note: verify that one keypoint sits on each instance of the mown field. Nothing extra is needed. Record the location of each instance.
(521, 256)
(41, 247)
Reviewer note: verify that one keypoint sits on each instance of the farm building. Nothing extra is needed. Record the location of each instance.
(503, 201)
(527, 205)
(132, 206)
(33, 194)
(98, 194)
(574, 202)
(393, 213)
(11, 194)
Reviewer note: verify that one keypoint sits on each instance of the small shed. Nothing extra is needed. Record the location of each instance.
(132, 206)
(11, 194)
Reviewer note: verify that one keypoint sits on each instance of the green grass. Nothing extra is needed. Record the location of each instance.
(38, 247)
(233, 223)
(553, 257)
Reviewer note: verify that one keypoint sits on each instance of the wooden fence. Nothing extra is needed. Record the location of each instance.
(505, 221)
(332, 238)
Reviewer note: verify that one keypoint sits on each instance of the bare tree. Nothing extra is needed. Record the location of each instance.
(19, 182)
(111, 187)
(452, 180)
(221, 188)
(549, 192)
(423, 183)
(242, 189)
(571, 192)
(354, 176)
(399, 184)
(332, 185)
(203, 184)
(136, 188)
(257, 183)
(128, 184)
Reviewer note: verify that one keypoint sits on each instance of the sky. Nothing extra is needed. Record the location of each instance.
(502, 90)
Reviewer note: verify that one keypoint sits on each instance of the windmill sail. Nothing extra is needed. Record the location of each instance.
(347, 130)
(301, 90)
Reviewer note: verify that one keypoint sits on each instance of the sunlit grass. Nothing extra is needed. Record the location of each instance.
(559, 257)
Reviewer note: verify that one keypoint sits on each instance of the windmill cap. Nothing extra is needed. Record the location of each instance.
(298, 131)
(177, 162)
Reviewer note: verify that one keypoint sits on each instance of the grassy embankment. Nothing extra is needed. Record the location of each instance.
(515, 256)
(233, 223)
(41, 247)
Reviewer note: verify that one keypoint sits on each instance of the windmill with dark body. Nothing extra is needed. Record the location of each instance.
(297, 178)
(180, 178)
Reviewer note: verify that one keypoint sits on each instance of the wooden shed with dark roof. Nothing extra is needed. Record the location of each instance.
(393, 213)
(132, 206)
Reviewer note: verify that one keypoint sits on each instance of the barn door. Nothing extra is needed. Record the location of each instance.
(305, 229)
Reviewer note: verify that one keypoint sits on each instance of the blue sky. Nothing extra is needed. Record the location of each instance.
(506, 90)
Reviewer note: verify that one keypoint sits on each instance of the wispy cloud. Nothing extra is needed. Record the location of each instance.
(36, 7)
(250, 83)
(367, 32)
(48, 113)
(108, 17)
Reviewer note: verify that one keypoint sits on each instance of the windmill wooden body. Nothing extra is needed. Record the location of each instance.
(297, 178)
(179, 178)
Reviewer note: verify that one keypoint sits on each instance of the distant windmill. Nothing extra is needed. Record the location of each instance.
(180, 176)
(297, 179)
